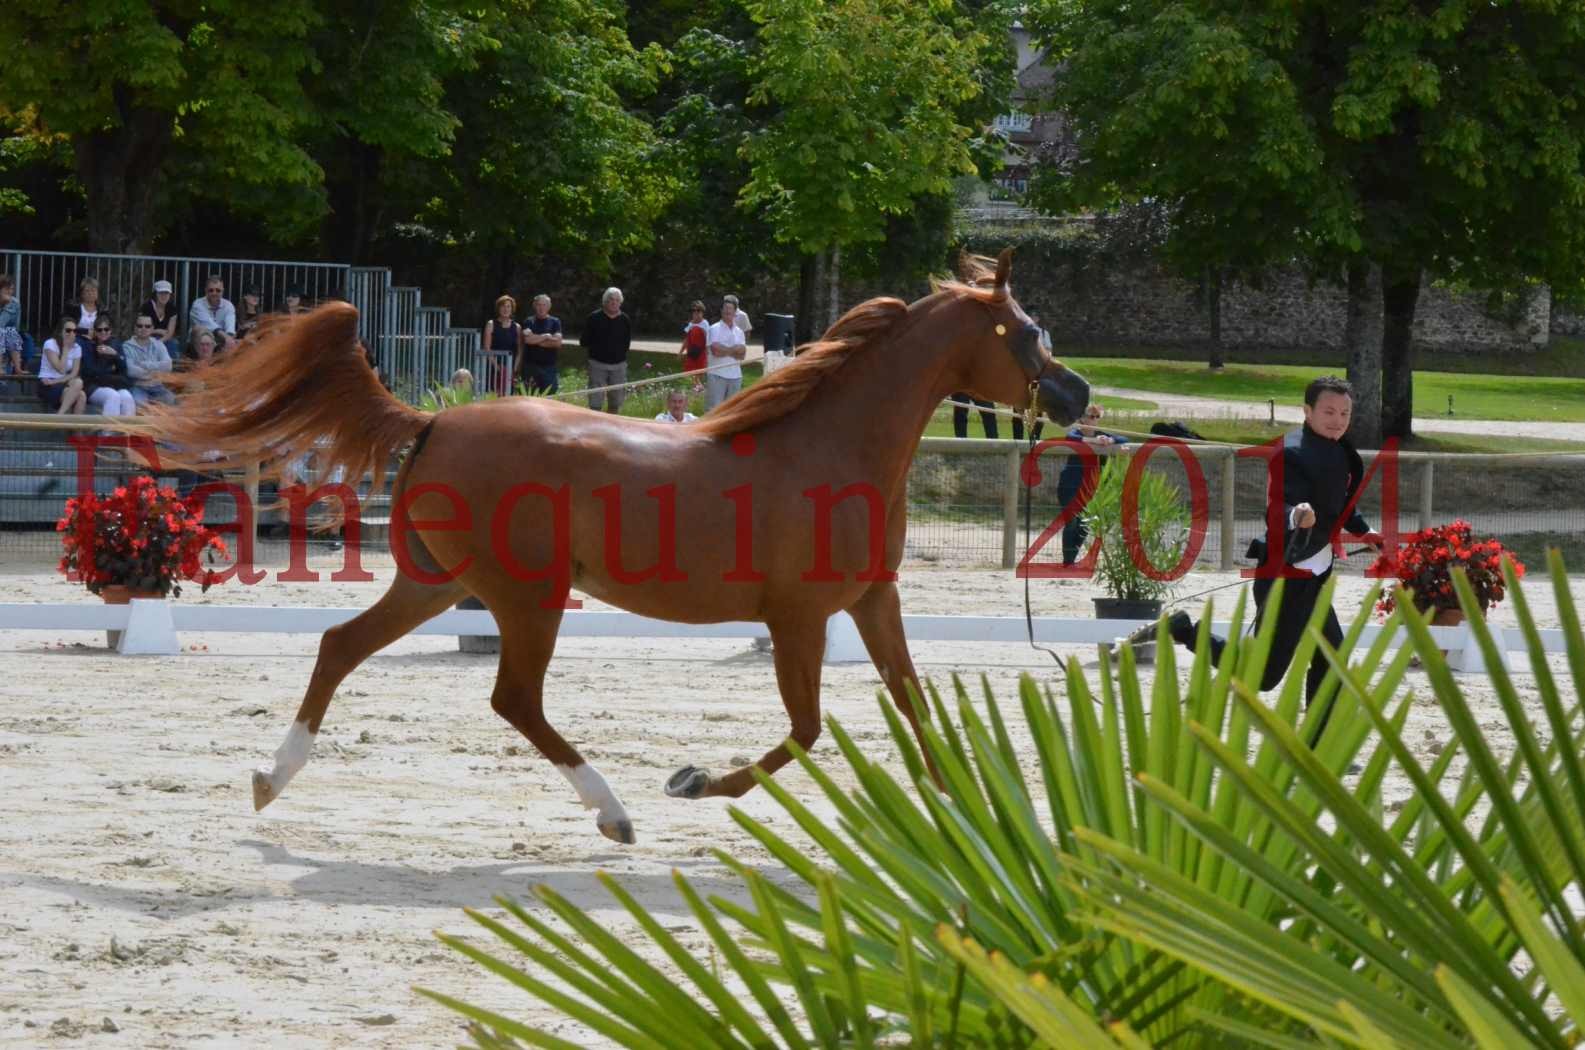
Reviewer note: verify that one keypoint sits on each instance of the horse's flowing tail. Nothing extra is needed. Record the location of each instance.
(297, 384)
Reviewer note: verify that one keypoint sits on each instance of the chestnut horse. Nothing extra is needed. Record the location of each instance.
(783, 506)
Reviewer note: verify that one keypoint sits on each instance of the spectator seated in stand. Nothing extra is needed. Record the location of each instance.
(86, 308)
(60, 371)
(148, 360)
(462, 381)
(214, 313)
(292, 302)
(10, 327)
(250, 315)
(200, 351)
(104, 373)
(163, 312)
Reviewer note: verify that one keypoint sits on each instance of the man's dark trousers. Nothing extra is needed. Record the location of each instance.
(1298, 602)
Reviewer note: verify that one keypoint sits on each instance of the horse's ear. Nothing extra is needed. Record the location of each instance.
(1004, 267)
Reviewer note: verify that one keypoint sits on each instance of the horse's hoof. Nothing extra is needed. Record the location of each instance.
(688, 782)
(263, 790)
(619, 831)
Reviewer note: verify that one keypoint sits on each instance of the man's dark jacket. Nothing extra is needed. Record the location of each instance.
(1323, 473)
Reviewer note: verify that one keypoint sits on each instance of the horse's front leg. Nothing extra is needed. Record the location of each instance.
(878, 615)
(799, 650)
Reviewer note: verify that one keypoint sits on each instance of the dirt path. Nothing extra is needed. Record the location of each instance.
(138, 888)
(1217, 408)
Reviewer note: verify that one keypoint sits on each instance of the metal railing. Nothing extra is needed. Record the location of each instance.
(416, 345)
(46, 282)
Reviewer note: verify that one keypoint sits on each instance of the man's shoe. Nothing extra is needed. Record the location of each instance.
(1179, 627)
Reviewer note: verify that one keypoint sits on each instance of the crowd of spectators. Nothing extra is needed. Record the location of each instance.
(87, 365)
(712, 352)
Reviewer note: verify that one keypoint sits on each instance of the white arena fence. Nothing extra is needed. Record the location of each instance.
(152, 627)
(966, 498)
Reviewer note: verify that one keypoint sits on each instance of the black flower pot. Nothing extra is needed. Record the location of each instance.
(1130, 609)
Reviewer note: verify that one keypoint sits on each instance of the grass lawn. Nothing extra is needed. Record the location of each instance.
(1249, 432)
(1124, 413)
(1475, 395)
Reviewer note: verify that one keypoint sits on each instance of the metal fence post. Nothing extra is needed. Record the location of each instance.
(1010, 509)
(1229, 508)
(250, 485)
(1426, 477)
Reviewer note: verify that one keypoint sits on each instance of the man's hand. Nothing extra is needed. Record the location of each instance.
(1303, 516)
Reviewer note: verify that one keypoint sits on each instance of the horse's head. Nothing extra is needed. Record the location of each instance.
(1008, 356)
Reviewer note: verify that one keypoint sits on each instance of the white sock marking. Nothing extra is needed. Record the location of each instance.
(291, 756)
(594, 792)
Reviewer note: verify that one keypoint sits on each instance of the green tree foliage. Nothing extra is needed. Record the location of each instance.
(1443, 139)
(865, 96)
(549, 158)
(170, 106)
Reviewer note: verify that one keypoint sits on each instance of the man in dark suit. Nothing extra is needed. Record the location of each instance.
(1321, 472)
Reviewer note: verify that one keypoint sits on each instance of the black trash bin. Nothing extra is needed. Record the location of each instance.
(778, 332)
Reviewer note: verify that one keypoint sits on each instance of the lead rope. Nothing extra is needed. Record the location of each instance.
(1030, 415)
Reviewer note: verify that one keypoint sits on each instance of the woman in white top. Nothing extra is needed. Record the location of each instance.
(60, 385)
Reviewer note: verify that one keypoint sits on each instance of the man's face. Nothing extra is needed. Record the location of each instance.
(213, 293)
(1330, 414)
(5, 295)
(613, 306)
(728, 313)
(143, 328)
(541, 308)
(677, 406)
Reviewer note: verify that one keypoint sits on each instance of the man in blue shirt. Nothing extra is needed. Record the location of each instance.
(541, 340)
(214, 312)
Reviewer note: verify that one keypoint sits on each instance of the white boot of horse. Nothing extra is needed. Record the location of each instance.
(290, 758)
(610, 817)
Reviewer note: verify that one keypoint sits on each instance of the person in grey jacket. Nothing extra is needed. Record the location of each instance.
(147, 359)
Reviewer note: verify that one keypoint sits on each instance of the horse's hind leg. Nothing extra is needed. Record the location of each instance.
(527, 642)
(799, 649)
(406, 605)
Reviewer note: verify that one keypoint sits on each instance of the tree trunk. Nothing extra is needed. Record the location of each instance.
(120, 168)
(1211, 282)
(834, 286)
(1400, 294)
(1362, 341)
(808, 283)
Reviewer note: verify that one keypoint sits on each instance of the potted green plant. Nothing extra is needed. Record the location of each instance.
(1162, 519)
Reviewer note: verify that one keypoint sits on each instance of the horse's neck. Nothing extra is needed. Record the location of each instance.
(877, 405)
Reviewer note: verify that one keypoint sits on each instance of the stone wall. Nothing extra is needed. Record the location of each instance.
(1147, 306)
(1099, 303)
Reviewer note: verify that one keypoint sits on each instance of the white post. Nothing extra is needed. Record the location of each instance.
(150, 631)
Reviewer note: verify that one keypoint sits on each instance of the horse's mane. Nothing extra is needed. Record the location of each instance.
(788, 387)
(862, 327)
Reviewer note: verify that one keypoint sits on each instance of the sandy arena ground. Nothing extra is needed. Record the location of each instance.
(144, 904)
